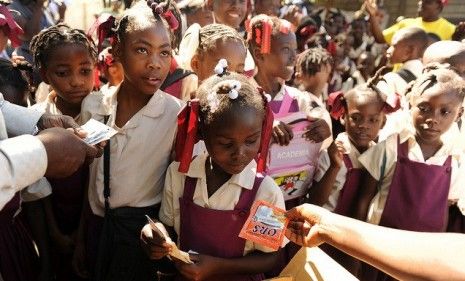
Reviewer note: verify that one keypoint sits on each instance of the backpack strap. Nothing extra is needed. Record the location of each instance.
(407, 75)
(175, 76)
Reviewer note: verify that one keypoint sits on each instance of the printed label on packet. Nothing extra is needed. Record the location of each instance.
(265, 225)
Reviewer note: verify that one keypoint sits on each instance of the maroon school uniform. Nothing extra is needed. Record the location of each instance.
(200, 231)
(18, 258)
(417, 200)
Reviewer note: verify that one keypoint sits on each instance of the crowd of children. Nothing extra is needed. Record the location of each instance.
(218, 104)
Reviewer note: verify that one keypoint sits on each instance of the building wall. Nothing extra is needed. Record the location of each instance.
(454, 11)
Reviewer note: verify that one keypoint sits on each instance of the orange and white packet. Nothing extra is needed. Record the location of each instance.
(265, 225)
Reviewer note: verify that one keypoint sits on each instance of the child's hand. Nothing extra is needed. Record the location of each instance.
(154, 244)
(371, 7)
(282, 133)
(318, 130)
(335, 152)
(203, 267)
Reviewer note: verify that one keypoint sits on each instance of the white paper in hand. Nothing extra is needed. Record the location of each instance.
(175, 252)
(97, 132)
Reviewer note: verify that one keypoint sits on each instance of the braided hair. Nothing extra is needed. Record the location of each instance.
(221, 86)
(311, 60)
(13, 76)
(141, 15)
(43, 44)
(211, 35)
(443, 77)
(257, 34)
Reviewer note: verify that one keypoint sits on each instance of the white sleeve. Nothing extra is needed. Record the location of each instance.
(23, 160)
(19, 120)
(36, 191)
(166, 214)
(323, 166)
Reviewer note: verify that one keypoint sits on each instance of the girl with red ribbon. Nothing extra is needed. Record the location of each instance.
(339, 175)
(207, 199)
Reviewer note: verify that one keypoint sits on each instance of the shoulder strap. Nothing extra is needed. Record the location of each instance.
(347, 161)
(285, 104)
(189, 188)
(247, 196)
(106, 170)
(407, 75)
(177, 75)
(383, 171)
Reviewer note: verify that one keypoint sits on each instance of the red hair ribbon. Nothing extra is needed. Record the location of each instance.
(336, 104)
(187, 136)
(267, 130)
(104, 26)
(444, 2)
(163, 10)
(10, 27)
(258, 36)
(392, 103)
(266, 37)
(308, 31)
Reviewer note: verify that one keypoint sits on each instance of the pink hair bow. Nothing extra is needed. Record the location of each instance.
(10, 27)
(392, 103)
(336, 104)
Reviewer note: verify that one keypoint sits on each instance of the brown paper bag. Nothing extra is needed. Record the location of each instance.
(312, 264)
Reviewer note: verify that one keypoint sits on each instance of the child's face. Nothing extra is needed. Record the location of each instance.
(146, 57)
(434, 112)
(316, 83)
(202, 16)
(358, 29)
(267, 7)
(363, 120)
(234, 146)
(399, 52)
(70, 72)
(229, 12)
(232, 50)
(366, 64)
(429, 10)
(280, 62)
(13, 95)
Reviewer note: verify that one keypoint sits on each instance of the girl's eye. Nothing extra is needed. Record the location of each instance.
(445, 112)
(165, 53)
(142, 50)
(355, 118)
(286, 50)
(226, 144)
(251, 142)
(86, 71)
(374, 120)
(61, 73)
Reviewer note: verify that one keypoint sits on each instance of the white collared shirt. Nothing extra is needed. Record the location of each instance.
(140, 151)
(372, 160)
(225, 198)
(324, 163)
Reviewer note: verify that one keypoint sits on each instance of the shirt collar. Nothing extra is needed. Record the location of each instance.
(245, 179)
(447, 148)
(154, 108)
(414, 66)
(349, 148)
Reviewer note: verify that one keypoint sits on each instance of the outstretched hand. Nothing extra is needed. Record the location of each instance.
(304, 226)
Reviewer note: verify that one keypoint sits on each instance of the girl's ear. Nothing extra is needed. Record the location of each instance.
(459, 115)
(195, 63)
(43, 75)
(257, 54)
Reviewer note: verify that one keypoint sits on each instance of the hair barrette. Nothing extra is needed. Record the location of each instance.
(235, 87)
(221, 67)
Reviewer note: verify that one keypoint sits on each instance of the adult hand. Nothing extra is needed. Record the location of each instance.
(47, 121)
(371, 7)
(459, 33)
(65, 152)
(304, 226)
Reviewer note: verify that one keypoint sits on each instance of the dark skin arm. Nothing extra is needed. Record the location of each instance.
(366, 194)
(376, 30)
(206, 266)
(320, 191)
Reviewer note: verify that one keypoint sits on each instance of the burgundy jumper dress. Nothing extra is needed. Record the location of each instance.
(18, 258)
(417, 200)
(216, 232)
